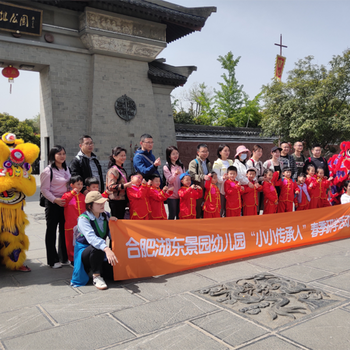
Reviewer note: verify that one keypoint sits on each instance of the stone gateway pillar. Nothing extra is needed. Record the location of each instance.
(99, 71)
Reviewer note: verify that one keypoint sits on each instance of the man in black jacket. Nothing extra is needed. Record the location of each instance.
(86, 164)
(316, 160)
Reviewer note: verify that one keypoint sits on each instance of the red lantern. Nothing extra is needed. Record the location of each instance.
(10, 72)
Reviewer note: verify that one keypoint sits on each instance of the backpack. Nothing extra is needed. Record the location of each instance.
(42, 199)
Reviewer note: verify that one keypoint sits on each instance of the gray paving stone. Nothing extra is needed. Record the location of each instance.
(329, 331)
(279, 260)
(334, 263)
(39, 253)
(34, 294)
(163, 313)
(96, 332)
(302, 273)
(23, 321)
(342, 281)
(42, 274)
(87, 305)
(164, 286)
(230, 270)
(177, 338)
(229, 328)
(320, 250)
(271, 343)
(341, 243)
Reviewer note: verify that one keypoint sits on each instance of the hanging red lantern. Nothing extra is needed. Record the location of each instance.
(11, 73)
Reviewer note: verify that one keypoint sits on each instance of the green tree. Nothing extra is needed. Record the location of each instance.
(230, 98)
(204, 113)
(22, 130)
(313, 105)
(34, 123)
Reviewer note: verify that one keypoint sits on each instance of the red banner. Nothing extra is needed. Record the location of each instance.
(280, 61)
(152, 248)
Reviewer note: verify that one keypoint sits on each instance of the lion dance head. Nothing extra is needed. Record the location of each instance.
(16, 182)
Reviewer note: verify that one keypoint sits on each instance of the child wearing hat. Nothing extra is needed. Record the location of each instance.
(138, 197)
(188, 195)
(212, 202)
(250, 195)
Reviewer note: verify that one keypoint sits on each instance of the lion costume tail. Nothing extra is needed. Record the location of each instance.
(13, 240)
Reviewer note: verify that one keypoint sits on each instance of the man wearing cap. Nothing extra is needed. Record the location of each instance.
(90, 248)
(287, 160)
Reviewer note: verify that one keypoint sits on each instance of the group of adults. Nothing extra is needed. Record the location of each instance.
(54, 180)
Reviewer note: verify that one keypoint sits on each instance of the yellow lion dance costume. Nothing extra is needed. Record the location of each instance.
(16, 183)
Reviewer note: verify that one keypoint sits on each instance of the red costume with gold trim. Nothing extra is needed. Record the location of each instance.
(325, 185)
(314, 188)
(139, 205)
(304, 204)
(156, 198)
(286, 199)
(188, 200)
(250, 200)
(212, 201)
(233, 192)
(270, 194)
(339, 169)
(73, 208)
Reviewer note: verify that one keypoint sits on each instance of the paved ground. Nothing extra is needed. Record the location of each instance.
(39, 310)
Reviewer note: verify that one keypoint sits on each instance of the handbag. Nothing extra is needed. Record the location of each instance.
(42, 199)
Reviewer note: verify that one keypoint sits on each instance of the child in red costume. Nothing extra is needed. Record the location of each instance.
(188, 195)
(271, 179)
(233, 192)
(325, 185)
(212, 201)
(156, 198)
(313, 187)
(73, 208)
(93, 184)
(250, 195)
(288, 191)
(138, 197)
(302, 200)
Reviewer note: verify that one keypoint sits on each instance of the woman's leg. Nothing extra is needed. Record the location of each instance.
(223, 205)
(117, 208)
(173, 207)
(62, 250)
(52, 219)
(92, 259)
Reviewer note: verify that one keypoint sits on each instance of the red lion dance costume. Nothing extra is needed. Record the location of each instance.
(339, 168)
(16, 183)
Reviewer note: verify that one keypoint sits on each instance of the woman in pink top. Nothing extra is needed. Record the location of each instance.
(54, 180)
(172, 171)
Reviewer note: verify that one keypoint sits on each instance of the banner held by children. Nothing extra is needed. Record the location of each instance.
(152, 248)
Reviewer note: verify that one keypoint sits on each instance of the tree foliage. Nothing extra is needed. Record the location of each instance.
(228, 106)
(313, 105)
(22, 130)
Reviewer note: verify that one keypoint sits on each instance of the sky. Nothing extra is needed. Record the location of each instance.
(248, 28)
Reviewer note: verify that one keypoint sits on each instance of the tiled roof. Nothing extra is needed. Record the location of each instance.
(180, 20)
(160, 73)
(215, 133)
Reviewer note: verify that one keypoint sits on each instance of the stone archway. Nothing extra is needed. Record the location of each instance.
(90, 56)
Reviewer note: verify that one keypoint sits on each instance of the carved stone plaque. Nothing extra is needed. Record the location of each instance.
(125, 107)
(270, 300)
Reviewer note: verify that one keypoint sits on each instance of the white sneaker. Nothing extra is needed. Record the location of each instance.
(99, 283)
(66, 263)
(57, 265)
